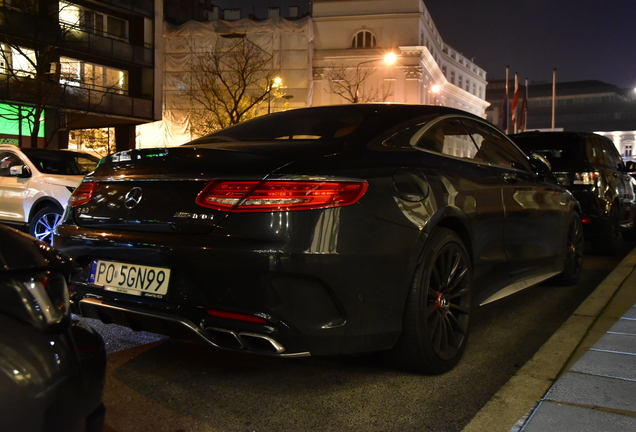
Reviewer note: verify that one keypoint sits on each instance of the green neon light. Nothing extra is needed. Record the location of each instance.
(10, 120)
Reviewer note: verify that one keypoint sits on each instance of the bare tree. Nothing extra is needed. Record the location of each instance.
(228, 83)
(350, 83)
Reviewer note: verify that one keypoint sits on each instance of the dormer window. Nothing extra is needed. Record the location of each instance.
(363, 39)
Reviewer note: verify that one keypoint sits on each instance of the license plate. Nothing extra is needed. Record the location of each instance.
(132, 279)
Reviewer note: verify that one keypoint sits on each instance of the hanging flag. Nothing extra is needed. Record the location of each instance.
(515, 101)
(524, 109)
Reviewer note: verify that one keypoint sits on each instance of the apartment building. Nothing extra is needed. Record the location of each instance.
(76, 64)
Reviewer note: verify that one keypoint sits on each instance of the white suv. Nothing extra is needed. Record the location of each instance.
(35, 185)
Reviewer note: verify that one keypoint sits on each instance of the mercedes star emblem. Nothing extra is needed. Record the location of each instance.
(133, 197)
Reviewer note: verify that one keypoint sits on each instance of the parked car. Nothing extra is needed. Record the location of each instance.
(590, 166)
(325, 230)
(52, 368)
(35, 185)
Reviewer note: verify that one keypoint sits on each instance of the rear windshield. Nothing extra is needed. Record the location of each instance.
(301, 125)
(563, 153)
(61, 162)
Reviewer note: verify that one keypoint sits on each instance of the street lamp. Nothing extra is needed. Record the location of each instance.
(389, 59)
(274, 84)
(435, 89)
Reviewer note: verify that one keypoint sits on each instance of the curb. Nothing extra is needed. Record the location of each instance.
(511, 406)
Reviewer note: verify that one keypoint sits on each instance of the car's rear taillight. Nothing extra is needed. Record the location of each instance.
(82, 194)
(279, 195)
(585, 178)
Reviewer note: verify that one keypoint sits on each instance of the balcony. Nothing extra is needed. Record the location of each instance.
(74, 98)
(79, 41)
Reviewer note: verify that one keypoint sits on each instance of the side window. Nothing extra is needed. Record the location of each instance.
(7, 160)
(448, 137)
(594, 152)
(494, 148)
(611, 153)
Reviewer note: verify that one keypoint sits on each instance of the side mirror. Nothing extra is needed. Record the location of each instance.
(630, 166)
(21, 171)
(539, 164)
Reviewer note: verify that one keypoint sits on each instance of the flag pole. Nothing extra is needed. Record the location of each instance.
(553, 97)
(505, 106)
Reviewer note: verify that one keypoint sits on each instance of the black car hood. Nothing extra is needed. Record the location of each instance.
(19, 252)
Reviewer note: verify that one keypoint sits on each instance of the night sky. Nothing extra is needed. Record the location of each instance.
(582, 39)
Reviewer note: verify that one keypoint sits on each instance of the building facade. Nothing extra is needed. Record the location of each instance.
(583, 106)
(78, 64)
(355, 36)
(333, 54)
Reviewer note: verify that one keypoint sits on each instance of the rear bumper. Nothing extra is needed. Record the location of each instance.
(309, 303)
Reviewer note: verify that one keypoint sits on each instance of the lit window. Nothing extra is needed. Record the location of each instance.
(364, 39)
(23, 61)
(88, 75)
(69, 15)
(79, 17)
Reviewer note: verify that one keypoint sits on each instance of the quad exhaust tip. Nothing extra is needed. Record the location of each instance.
(241, 340)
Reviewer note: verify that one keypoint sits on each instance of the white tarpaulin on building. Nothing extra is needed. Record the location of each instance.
(290, 42)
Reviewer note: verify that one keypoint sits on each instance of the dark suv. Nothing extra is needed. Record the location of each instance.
(590, 166)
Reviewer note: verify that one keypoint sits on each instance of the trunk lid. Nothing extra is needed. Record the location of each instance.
(155, 190)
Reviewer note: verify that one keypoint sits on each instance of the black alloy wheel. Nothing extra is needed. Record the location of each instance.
(573, 256)
(437, 314)
(44, 222)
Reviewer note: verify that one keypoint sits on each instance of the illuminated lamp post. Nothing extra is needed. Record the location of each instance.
(389, 59)
(435, 89)
(274, 84)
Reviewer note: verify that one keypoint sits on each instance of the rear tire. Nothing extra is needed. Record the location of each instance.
(607, 241)
(573, 255)
(43, 223)
(438, 308)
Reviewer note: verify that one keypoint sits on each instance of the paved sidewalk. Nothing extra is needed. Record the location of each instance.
(584, 377)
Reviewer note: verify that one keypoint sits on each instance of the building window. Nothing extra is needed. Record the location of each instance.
(77, 73)
(363, 39)
(444, 70)
(72, 16)
(460, 81)
(23, 62)
(29, 6)
(452, 77)
(18, 61)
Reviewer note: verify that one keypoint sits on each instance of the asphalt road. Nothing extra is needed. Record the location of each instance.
(155, 384)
